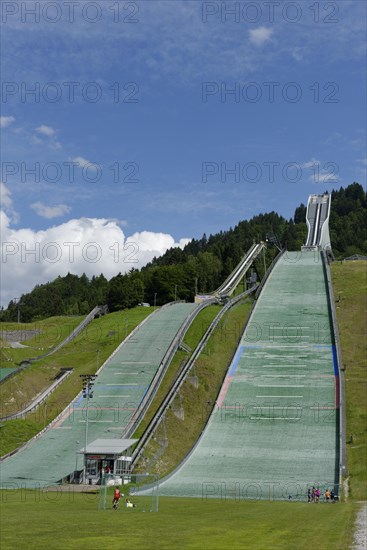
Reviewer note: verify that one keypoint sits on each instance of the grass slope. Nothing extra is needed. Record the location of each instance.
(350, 292)
(52, 331)
(84, 354)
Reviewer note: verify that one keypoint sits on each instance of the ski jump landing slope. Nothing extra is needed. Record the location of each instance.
(274, 430)
(119, 389)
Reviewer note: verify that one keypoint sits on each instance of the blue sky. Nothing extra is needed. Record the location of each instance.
(133, 135)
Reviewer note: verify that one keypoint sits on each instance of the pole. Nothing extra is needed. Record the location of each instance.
(16, 302)
(175, 292)
(88, 382)
(76, 455)
(86, 439)
(155, 299)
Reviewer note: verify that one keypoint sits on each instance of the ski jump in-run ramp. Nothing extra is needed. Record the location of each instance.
(120, 388)
(274, 430)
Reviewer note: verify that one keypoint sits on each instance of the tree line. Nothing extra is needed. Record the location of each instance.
(200, 267)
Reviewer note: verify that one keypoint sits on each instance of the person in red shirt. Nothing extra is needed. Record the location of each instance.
(116, 498)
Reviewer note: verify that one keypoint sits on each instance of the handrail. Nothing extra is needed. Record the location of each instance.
(315, 226)
(91, 315)
(320, 224)
(67, 408)
(336, 338)
(237, 269)
(166, 361)
(153, 425)
(231, 281)
(39, 399)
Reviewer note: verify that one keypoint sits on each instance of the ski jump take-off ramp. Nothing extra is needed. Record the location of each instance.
(275, 429)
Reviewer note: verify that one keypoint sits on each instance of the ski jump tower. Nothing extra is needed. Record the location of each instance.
(317, 219)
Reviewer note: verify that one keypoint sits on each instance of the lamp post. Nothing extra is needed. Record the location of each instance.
(76, 455)
(273, 239)
(88, 383)
(17, 303)
(175, 292)
(155, 299)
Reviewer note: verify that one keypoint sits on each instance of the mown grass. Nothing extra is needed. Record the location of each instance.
(52, 331)
(69, 521)
(85, 354)
(350, 292)
(197, 403)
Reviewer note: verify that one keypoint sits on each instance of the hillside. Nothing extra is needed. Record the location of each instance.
(199, 268)
(350, 292)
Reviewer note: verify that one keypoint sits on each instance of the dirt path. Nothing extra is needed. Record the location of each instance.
(360, 534)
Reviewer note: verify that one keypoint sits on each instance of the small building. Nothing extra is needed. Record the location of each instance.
(107, 456)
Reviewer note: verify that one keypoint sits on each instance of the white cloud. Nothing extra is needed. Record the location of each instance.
(55, 145)
(86, 245)
(49, 134)
(325, 177)
(155, 244)
(83, 163)
(311, 163)
(46, 130)
(50, 212)
(260, 36)
(322, 172)
(36, 140)
(6, 200)
(176, 42)
(7, 203)
(5, 121)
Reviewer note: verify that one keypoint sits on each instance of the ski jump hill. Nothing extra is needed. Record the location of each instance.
(275, 429)
(277, 426)
(123, 382)
(124, 388)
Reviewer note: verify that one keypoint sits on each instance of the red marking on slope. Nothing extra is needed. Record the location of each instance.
(223, 391)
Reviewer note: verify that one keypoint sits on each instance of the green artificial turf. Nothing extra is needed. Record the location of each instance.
(197, 402)
(85, 354)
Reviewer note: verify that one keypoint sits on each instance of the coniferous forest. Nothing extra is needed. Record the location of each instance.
(200, 267)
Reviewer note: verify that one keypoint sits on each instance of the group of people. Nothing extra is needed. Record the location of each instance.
(313, 495)
(116, 498)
